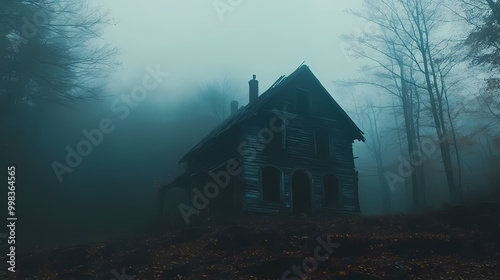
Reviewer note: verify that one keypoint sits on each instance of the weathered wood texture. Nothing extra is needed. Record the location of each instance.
(300, 152)
(291, 150)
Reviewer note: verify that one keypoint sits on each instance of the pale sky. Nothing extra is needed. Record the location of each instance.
(195, 43)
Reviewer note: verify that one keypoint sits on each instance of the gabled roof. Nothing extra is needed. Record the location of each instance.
(249, 110)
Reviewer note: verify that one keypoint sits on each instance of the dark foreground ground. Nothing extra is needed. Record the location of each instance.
(461, 242)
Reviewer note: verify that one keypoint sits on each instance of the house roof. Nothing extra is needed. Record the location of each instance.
(249, 110)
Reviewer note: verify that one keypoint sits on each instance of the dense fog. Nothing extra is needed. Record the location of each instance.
(199, 56)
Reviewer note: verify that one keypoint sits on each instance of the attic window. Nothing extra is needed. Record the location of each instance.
(279, 136)
(303, 101)
(271, 184)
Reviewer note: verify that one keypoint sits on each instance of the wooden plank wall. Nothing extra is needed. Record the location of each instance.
(300, 152)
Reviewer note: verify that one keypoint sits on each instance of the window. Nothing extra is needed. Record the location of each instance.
(279, 133)
(303, 101)
(271, 184)
(331, 191)
(322, 138)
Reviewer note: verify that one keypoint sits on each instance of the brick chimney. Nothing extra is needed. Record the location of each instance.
(234, 107)
(254, 90)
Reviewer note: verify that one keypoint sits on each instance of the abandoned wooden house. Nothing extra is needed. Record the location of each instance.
(289, 150)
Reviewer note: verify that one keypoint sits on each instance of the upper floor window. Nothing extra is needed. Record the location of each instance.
(323, 147)
(279, 135)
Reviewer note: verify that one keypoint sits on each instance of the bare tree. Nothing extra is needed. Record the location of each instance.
(217, 96)
(50, 52)
(411, 29)
(392, 71)
(368, 116)
(483, 47)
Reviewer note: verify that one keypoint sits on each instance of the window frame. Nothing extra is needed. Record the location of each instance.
(328, 142)
(282, 134)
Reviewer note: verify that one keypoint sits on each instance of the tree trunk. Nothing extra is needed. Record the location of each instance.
(442, 137)
(495, 10)
(410, 132)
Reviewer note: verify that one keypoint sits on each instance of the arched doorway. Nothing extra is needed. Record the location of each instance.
(301, 192)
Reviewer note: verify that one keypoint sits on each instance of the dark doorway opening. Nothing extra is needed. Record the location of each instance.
(301, 192)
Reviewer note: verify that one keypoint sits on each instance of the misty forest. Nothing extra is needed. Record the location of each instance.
(233, 139)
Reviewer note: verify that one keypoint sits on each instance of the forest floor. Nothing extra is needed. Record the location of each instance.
(460, 242)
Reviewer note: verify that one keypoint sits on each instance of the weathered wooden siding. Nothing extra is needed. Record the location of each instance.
(300, 152)
(215, 153)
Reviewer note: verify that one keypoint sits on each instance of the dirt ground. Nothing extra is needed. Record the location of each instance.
(460, 242)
